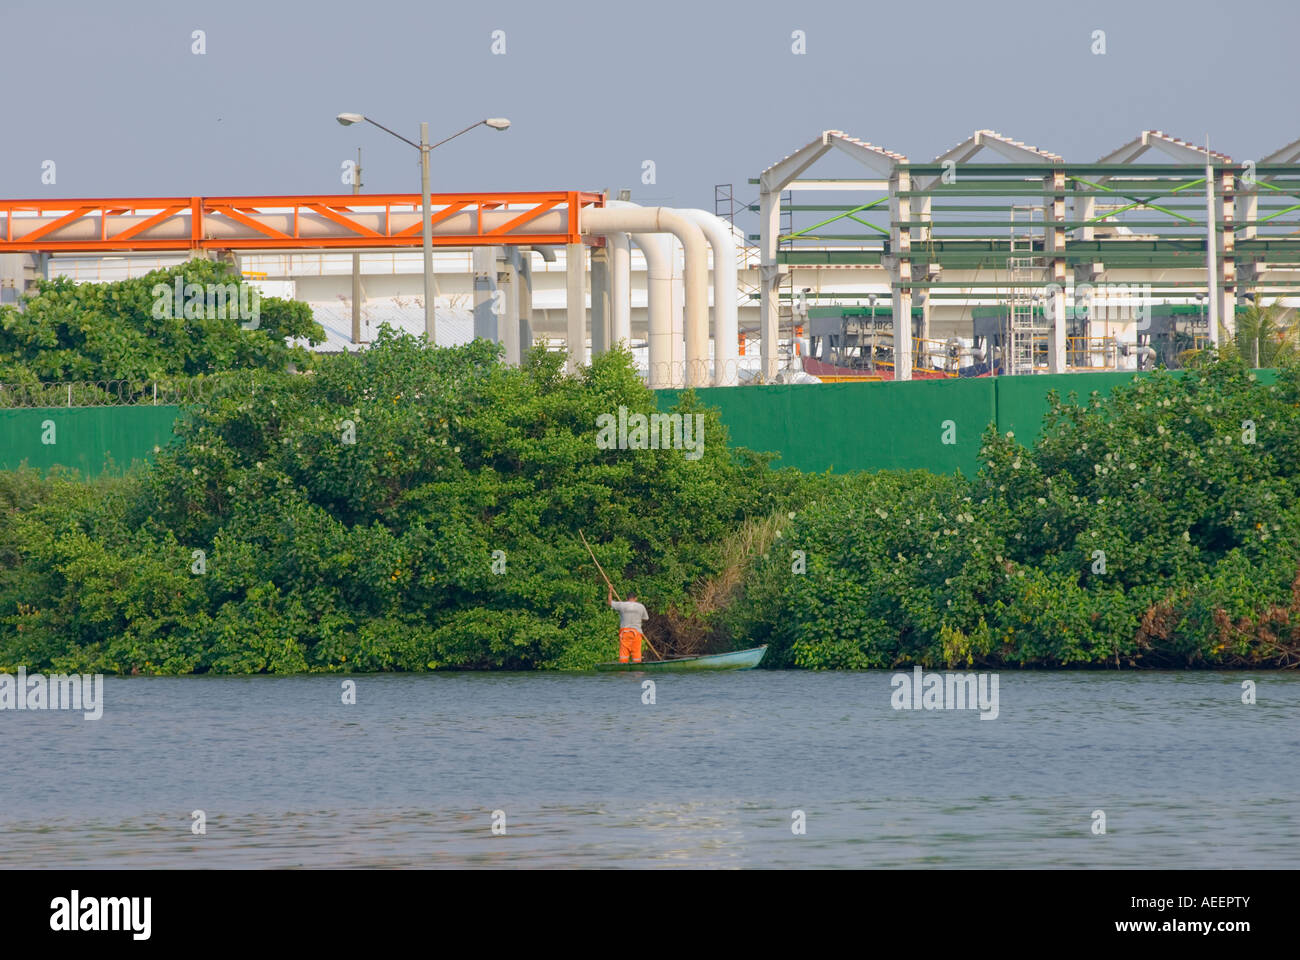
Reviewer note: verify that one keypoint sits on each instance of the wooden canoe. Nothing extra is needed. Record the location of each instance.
(736, 660)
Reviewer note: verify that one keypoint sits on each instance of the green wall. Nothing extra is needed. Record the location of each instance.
(857, 426)
(1022, 401)
(881, 425)
(876, 425)
(91, 439)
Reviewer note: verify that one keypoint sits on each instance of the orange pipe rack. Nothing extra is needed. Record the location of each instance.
(290, 222)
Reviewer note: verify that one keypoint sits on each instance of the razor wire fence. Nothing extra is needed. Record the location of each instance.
(174, 391)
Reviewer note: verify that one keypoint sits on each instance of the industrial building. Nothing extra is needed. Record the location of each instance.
(993, 258)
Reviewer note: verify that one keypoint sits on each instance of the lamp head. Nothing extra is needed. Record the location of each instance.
(347, 119)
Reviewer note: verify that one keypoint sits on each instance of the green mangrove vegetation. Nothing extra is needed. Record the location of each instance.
(411, 508)
(92, 335)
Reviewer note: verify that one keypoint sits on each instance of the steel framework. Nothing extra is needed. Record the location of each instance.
(290, 222)
(1188, 222)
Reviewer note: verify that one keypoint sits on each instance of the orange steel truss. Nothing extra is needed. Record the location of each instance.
(249, 223)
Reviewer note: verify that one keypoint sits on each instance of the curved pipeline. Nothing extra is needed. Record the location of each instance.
(659, 269)
(661, 275)
(726, 287)
(661, 220)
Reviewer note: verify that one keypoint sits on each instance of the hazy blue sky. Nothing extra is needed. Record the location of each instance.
(710, 91)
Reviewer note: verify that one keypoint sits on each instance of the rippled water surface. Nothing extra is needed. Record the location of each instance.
(707, 776)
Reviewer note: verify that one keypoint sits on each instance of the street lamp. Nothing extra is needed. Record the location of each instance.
(496, 123)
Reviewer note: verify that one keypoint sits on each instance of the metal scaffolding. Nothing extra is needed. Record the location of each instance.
(1176, 225)
(1026, 339)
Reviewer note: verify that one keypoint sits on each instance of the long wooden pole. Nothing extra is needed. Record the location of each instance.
(598, 566)
(613, 591)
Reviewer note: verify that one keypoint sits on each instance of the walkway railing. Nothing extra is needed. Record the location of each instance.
(1091, 353)
(934, 356)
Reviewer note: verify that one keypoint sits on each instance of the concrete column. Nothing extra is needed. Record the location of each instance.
(575, 304)
(900, 274)
(902, 303)
(525, 303)
(358, 299)
(620, 288)
(1226, 239)
(485, 288)
(1213, 272)
(18, 272)
(508, 277)
(233, 260)
(769, 217)
(1054, 228)
(600, 300)
(1246, 199)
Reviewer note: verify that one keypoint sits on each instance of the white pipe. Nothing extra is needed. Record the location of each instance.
(620, 288)
(604, 220)
(661, 272)
(726, 287)
(659, 267)
(1133, 350)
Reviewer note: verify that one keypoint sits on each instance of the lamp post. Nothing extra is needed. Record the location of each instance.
(356, 267)
(496, 123)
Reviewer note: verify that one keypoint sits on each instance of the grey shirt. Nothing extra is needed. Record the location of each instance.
(630, 614)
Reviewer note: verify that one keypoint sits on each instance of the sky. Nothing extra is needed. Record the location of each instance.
(709, 92)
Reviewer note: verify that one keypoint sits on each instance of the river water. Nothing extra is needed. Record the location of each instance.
(584, 774)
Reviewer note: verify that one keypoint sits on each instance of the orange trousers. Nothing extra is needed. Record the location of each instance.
(629, 645)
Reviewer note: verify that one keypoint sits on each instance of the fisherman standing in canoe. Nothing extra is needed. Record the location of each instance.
(630, 616)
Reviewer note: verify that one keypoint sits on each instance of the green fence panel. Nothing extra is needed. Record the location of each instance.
(926, 424)
(91, 439)
(1022, 401)
(895, 426)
